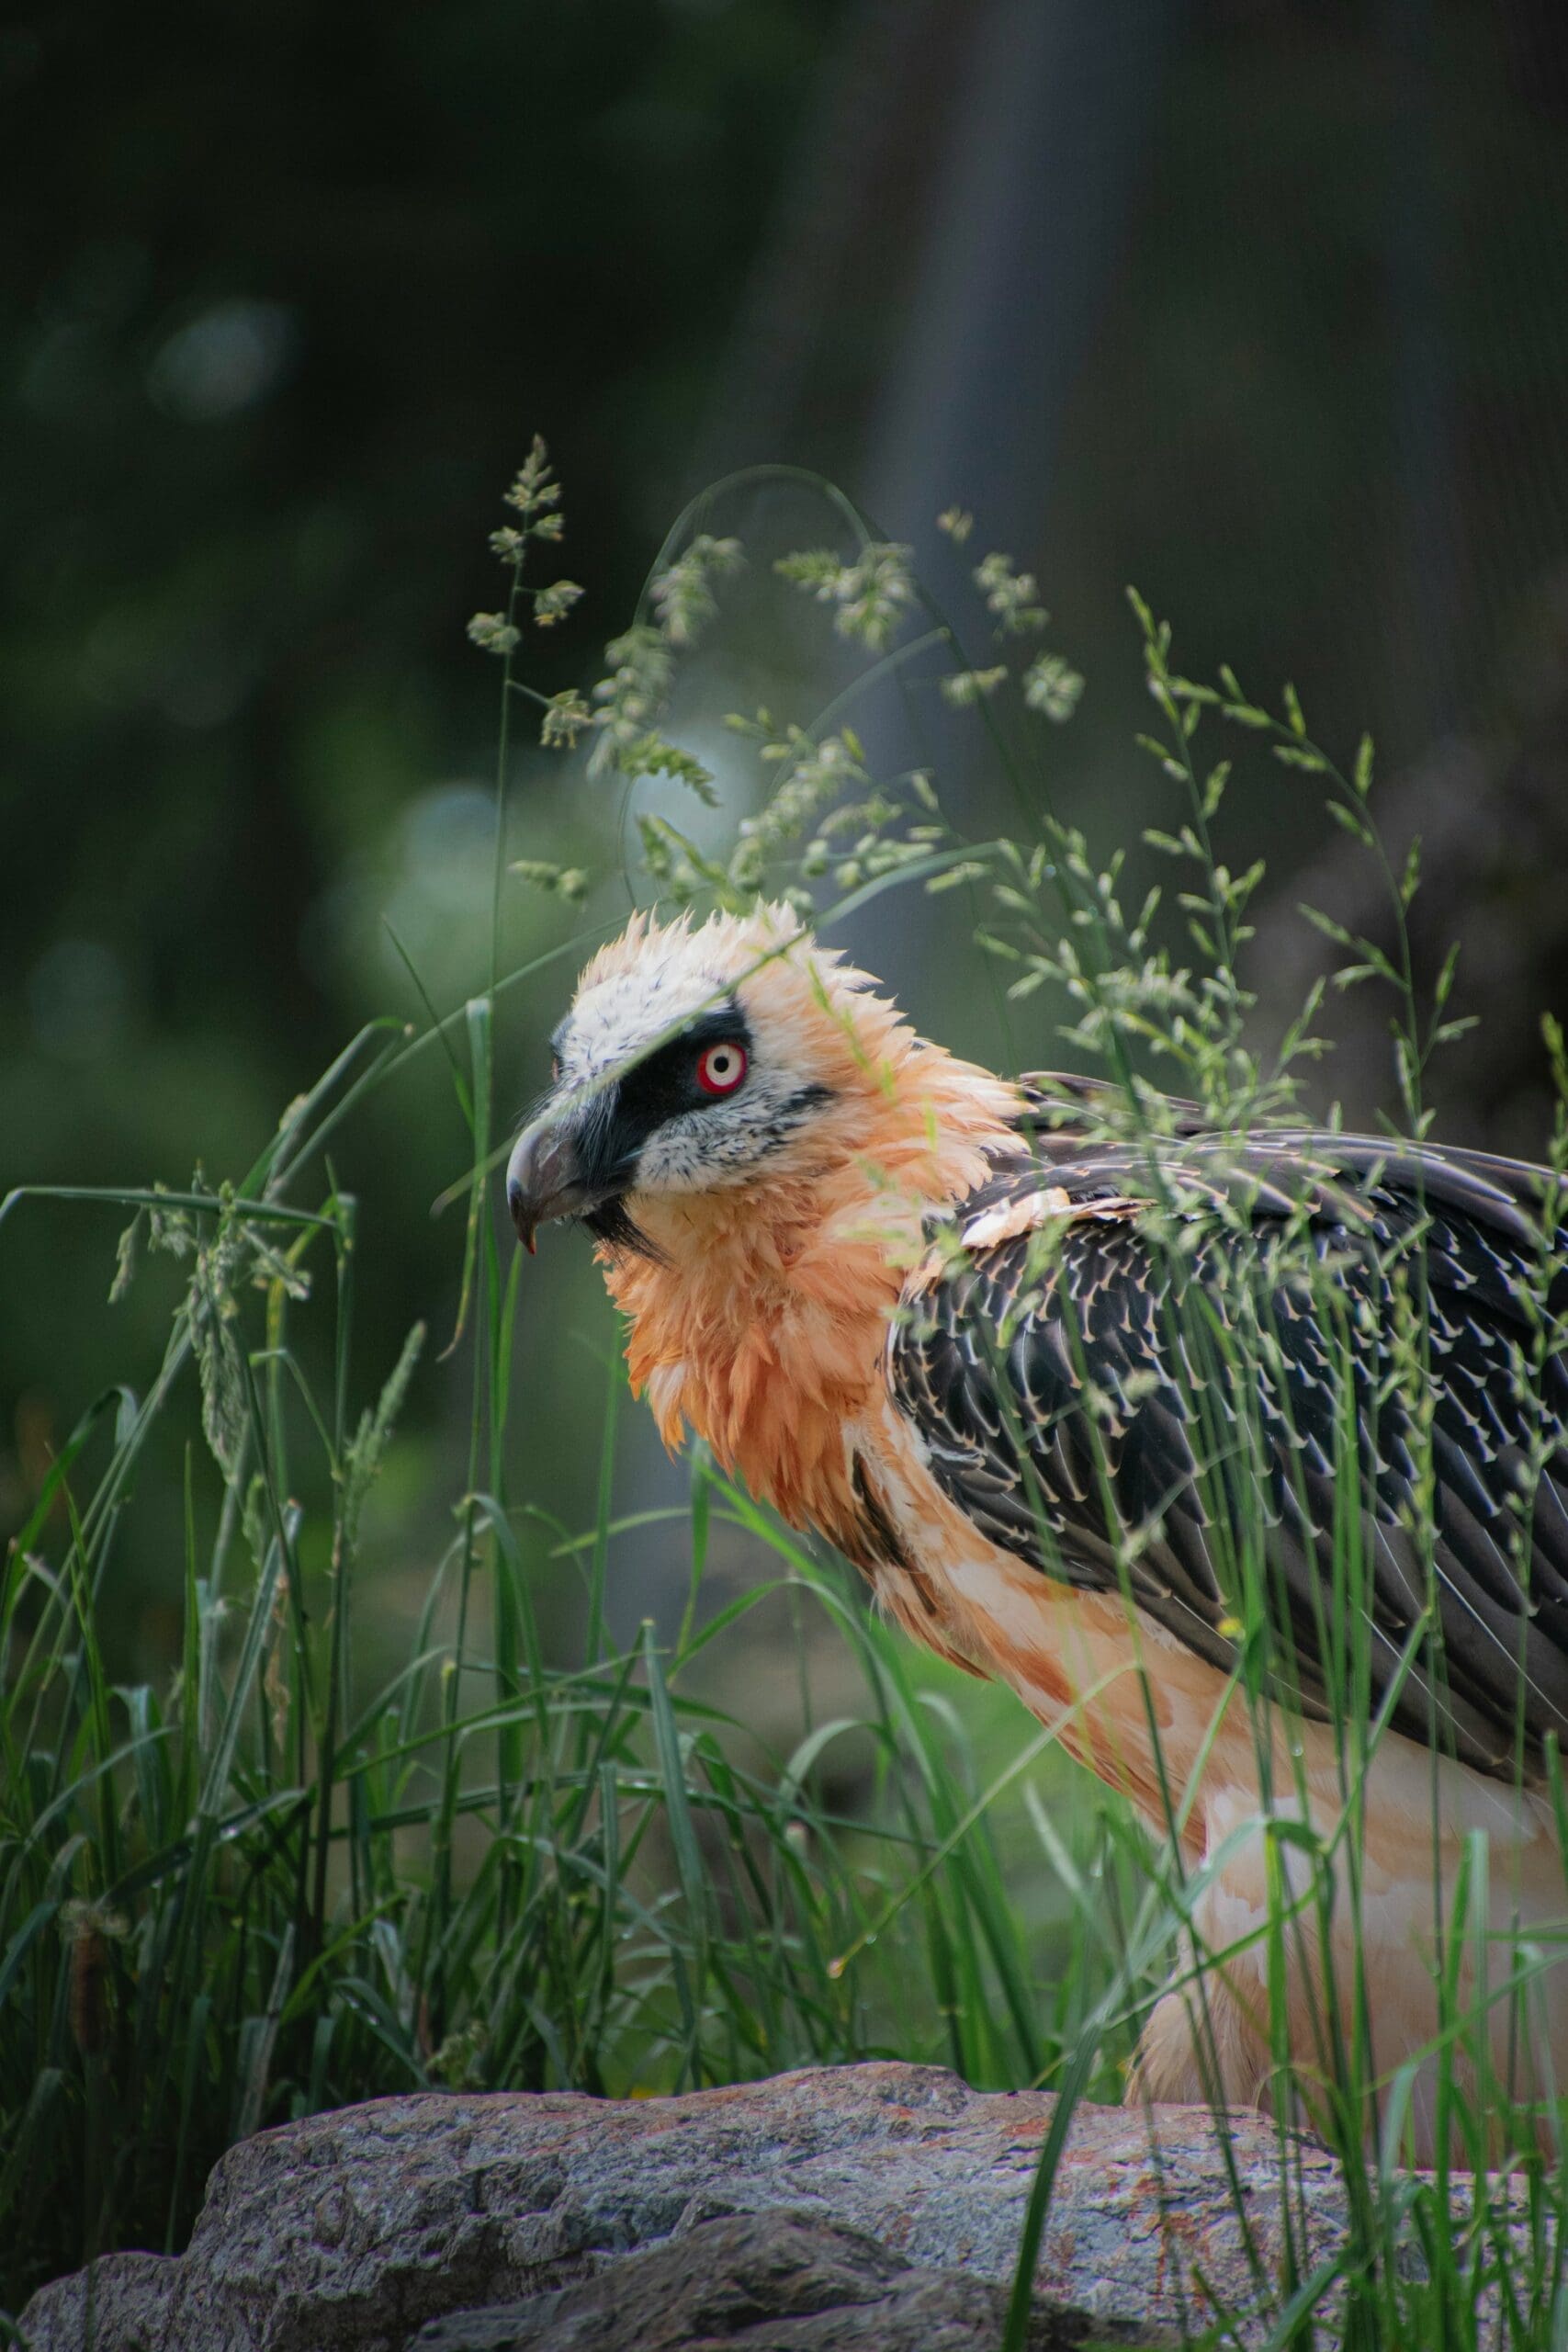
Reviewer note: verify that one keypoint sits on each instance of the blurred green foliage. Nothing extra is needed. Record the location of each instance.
(284, 291)
(285, 294)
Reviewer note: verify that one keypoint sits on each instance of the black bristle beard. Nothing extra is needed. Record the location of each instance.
(613, 1224)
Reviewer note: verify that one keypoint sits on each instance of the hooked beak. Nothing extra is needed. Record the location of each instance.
(545, 1180)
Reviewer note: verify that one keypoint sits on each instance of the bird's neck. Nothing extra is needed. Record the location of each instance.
(761, 1323)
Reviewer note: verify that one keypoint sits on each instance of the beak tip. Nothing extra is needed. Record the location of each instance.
(527, 1227)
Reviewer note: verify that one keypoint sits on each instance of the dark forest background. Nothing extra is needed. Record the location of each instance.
(1263, 306)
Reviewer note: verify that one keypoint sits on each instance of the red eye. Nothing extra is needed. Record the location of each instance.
(721, 1068)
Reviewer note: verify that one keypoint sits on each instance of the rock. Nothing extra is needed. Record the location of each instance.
(124, 2301)
(767, 2282)
(347, 2232)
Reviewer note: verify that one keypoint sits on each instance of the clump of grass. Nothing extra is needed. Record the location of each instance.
(263, 1890)
(267, 1887)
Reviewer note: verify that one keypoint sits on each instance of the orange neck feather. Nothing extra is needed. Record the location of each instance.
(762, 1326)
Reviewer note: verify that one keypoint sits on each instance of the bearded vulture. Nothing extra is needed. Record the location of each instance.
(1106, 1420)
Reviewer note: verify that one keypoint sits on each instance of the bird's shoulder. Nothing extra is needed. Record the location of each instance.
(1081, 1152)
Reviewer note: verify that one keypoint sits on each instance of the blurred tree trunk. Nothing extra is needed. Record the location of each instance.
(973, 166)
(1492, 814)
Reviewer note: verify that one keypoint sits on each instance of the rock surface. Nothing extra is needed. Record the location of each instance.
(768, 2282)
(348, 2232)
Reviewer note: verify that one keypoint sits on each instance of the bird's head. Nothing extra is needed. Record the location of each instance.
(699, 1060)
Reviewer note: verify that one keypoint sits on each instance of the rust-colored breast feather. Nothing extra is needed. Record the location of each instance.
(762, 1322)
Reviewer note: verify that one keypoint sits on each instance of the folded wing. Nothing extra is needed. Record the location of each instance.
(1298, 1398)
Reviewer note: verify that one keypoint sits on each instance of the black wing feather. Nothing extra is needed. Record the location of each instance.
(1236, 1342)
